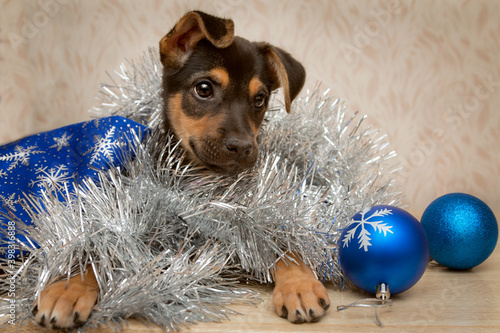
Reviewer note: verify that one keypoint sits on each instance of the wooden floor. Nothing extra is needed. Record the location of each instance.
(442, 301)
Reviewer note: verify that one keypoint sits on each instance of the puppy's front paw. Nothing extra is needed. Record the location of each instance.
(298, 295)
(66, 304)
(301, 299)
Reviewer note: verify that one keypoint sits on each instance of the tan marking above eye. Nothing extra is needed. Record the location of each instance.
(255, 86)
(220, 75)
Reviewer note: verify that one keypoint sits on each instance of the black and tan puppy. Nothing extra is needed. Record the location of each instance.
(216, 89)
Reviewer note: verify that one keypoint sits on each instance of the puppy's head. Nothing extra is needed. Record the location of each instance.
(216, 89)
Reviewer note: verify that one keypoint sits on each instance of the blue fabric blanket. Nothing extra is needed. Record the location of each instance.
(56, 160)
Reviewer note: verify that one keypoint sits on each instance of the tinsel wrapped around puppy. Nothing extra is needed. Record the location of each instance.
(169, 240)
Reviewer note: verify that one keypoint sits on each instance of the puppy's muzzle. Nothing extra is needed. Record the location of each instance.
(228, 155)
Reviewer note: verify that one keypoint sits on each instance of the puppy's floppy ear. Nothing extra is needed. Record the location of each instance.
(285, 72)
(177, 45)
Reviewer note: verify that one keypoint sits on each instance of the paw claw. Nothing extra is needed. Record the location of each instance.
(313, 315)
(76, 320)
(42, 321)
(298, 317)
(284, 313)
(323, 304)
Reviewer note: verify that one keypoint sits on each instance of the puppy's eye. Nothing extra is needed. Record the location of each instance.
(259, 101)
(204, 89)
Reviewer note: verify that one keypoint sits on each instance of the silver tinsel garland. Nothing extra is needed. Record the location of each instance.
(169, 241)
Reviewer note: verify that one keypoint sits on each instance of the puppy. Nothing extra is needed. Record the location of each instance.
(216, 89)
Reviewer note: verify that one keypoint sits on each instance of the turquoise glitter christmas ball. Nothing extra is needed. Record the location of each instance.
(461, 229)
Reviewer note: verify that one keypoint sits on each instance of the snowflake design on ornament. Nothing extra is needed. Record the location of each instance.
(9, 202)
(21, 155)
(364, 239)
(62, 141)
(105, 146)
(53, 178)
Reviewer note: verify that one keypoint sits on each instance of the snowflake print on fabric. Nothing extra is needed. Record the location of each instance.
(363, 237)
(62, 141)
(2, 173)
(20, 155)
(10, 202)
(95, 123)
(53, 178)
(106, 146)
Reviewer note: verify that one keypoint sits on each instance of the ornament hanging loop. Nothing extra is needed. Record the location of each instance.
(382, 299)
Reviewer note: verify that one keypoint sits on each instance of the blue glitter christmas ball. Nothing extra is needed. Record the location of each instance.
(383, 244)
(461, 229)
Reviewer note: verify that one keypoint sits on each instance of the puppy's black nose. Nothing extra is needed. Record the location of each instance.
(240, 147)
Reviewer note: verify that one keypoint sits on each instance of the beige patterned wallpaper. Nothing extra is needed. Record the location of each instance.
(426, 72)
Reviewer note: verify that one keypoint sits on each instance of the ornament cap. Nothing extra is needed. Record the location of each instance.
(383, 292)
